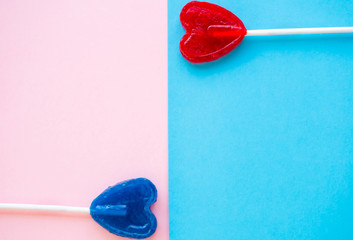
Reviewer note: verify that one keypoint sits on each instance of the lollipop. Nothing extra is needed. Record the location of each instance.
(123, 209)
(213, 31)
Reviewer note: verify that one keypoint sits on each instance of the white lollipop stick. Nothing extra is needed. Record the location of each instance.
(293, 31)
(44, 208)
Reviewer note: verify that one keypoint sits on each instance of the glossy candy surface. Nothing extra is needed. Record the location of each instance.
(211, 31)
(124, 209)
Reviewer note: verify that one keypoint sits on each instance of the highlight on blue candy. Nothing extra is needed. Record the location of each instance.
(124, 209)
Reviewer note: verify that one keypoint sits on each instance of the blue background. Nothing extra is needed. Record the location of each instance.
(261, 141)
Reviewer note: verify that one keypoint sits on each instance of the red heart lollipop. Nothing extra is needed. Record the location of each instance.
(211, 31)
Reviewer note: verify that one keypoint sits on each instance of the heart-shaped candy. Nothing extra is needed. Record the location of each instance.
(211, 31)
(124, 209)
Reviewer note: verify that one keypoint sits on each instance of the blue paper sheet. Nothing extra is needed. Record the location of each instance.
(261, 141)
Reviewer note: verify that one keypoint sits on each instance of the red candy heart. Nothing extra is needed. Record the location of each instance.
(211, 31)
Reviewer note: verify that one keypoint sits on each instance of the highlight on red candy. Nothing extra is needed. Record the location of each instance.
(211, 31)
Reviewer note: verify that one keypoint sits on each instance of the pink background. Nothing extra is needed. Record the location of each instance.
(83, 105)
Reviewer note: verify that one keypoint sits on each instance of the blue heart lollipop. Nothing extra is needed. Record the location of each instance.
(124, 209)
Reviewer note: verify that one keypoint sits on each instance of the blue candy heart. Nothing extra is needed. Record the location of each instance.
(124, 209)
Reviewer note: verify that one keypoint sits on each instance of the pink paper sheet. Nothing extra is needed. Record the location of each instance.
(83, 105)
